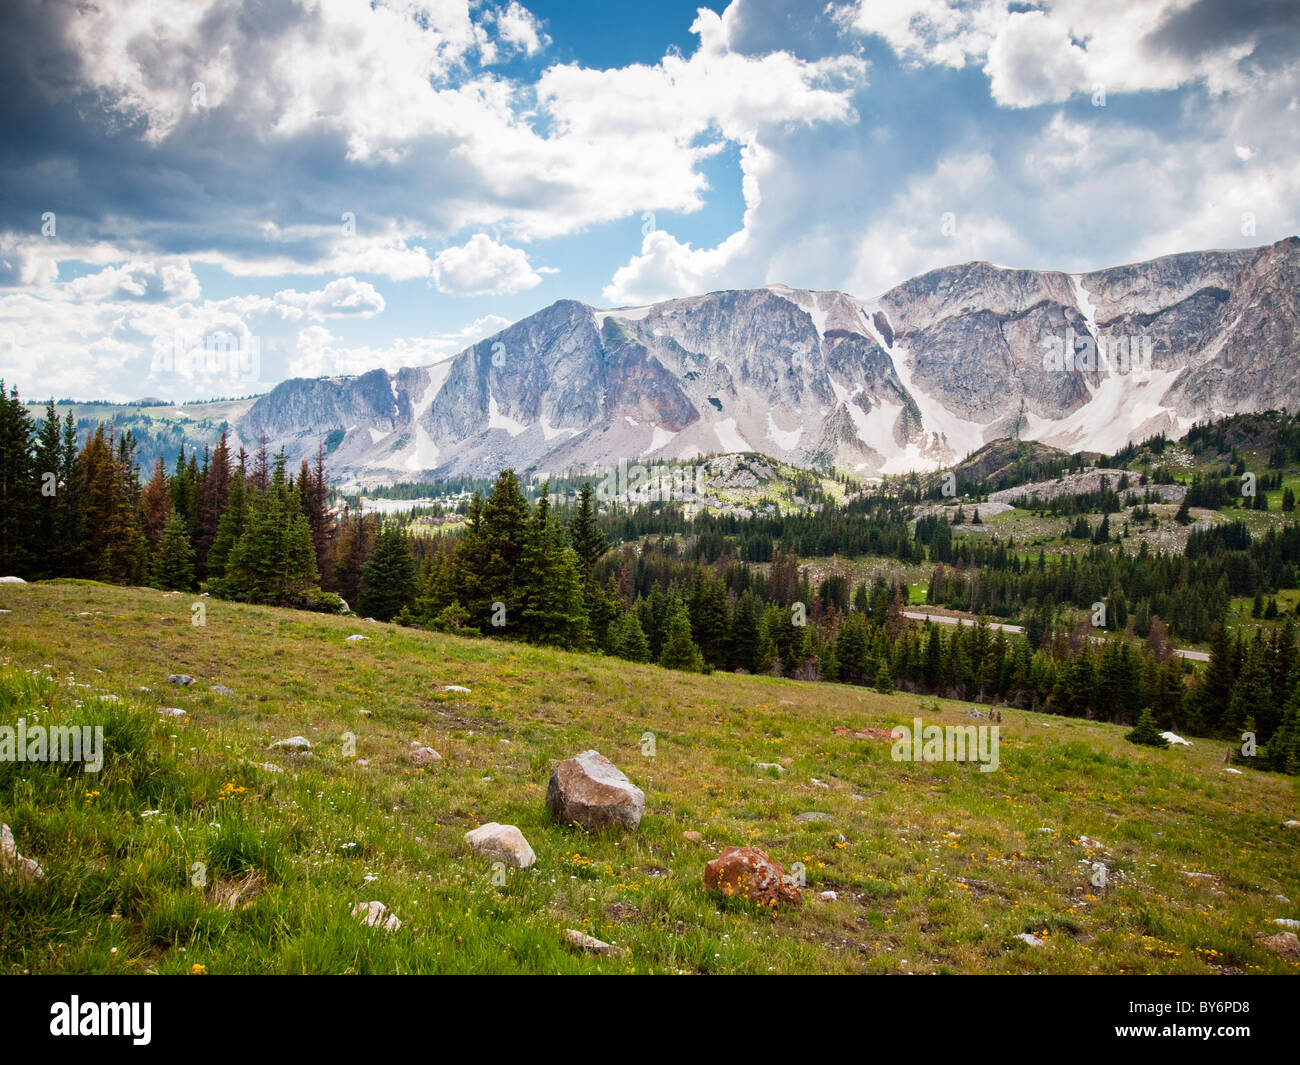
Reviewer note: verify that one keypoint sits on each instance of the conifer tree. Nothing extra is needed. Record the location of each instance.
(1145, 732)
(388, 575)
(174, 565)
(551, 606)
(679, 650)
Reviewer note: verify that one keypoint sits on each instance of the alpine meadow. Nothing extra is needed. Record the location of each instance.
(530, 487)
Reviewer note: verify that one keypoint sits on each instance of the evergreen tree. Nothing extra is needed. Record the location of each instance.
(18, 480)
(1146, 732)
(679, 650)
(884, 681)
(549, 588)
(585, 534)
(630, 640)
(174, 565)
(230, 526)
(387, 576)
(742, 637)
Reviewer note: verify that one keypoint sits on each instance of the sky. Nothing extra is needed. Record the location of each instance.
(205, 197)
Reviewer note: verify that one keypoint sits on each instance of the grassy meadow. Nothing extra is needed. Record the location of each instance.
(197, 849)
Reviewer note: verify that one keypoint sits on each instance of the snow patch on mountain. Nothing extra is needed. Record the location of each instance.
(499, 420)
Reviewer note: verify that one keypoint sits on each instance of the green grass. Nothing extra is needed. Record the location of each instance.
(939, 869)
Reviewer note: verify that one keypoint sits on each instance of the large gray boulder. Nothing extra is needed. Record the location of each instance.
(590, 790)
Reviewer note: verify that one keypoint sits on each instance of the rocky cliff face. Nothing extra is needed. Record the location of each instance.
(916, 377)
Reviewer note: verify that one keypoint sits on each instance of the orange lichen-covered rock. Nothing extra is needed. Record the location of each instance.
(748, 871)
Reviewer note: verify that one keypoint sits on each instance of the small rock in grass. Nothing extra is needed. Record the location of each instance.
(692, 837)
(270, 767)
(11, 862)
(1286, 922)
(294, 743)
(828, 896)
(425, 756)
(769, 765)
(455, 688)
(812, 815)
(1030, 939)
(376, 915)
(592, 945)
(172, 711)
(357, 636)
(183, 679)
(501, 843)
(1236, 771)
(1291, 824)
(221, 689)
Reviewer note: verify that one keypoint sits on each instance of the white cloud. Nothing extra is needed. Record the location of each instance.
(1033, 61)
(153, 281)
(519, 27)
(344, 297)
(482, 267)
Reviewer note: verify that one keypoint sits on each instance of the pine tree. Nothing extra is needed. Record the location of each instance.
(174, 565)
(18, 481)
(630, 640)
(46, 465)
(742, 637)
(1146, 733)
(388, 575)
(273, 561)
(552, 609)
(585, 534)
(156, 506)
(230, 526)
(679, 650)
(884, 681)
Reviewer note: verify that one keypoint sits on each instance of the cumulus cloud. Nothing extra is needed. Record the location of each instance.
(482, 267)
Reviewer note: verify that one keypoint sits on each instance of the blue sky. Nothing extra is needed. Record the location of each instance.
(338, 186)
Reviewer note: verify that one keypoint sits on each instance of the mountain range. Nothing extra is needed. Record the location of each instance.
(914, 378)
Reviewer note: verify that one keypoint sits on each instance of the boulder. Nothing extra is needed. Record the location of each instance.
(12, 580)
(25, 869)
(748, 871)
(425, 756)
(183, 679)
(501, 843)
(590, 790)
